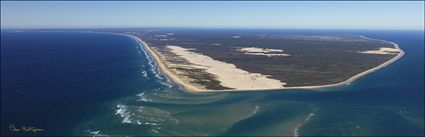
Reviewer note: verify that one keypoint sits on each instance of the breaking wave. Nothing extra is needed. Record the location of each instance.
(122, 110)
(144, 115)
(143, 97)
(256, 109)
(153, 67)
(307, 119)
(145, 74)
(96, 133)
(151, 63)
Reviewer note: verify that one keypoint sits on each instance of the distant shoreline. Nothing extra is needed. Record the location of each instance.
(192, 89)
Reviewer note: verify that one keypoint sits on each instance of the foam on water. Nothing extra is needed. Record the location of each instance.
(145, 74)
(307, 119)
(124, 113)
(154, 67)
(167, 84)
(143, 97)
(141, 115)
(256, 109)
(96, 133)
(151, 63)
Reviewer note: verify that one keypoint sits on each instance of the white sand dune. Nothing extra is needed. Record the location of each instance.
(228, 74)
(390, 51)
(262, 51)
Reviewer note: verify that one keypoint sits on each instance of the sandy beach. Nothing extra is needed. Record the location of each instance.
(164, 69)
(272, 85)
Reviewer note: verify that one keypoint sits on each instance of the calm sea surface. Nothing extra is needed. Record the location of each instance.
(79, 83)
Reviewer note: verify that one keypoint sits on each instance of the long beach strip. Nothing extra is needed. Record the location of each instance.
(164, 69)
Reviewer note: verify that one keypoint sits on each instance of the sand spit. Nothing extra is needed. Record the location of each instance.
(228, 74)
(399, 55)
(262, 51)
(190, 88)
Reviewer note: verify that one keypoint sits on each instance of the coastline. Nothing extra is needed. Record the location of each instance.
(163, 68)
(192, 89)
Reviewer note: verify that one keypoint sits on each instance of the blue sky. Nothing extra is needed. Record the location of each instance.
(100, 14)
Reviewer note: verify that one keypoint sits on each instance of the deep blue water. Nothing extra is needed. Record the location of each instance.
(78, 83)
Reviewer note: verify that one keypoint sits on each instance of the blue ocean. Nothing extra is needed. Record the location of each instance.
(80, 83)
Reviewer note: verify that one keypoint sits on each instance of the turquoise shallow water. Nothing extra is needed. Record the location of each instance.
(78, 83)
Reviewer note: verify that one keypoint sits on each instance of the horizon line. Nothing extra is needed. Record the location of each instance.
(162, 27)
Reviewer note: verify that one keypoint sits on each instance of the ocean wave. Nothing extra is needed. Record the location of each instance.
(124, 113)
(151, 63)
(167, 84)
(141, 115)
(96, 133)
(306, 120)
(153, 67)
(256, 109)
(143, 97)
(145, 74)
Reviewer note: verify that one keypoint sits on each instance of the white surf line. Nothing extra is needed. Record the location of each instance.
(124, 113)
(153, 64)
(308, 118)
(256, 109)
(162, 68)
(155, 67)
